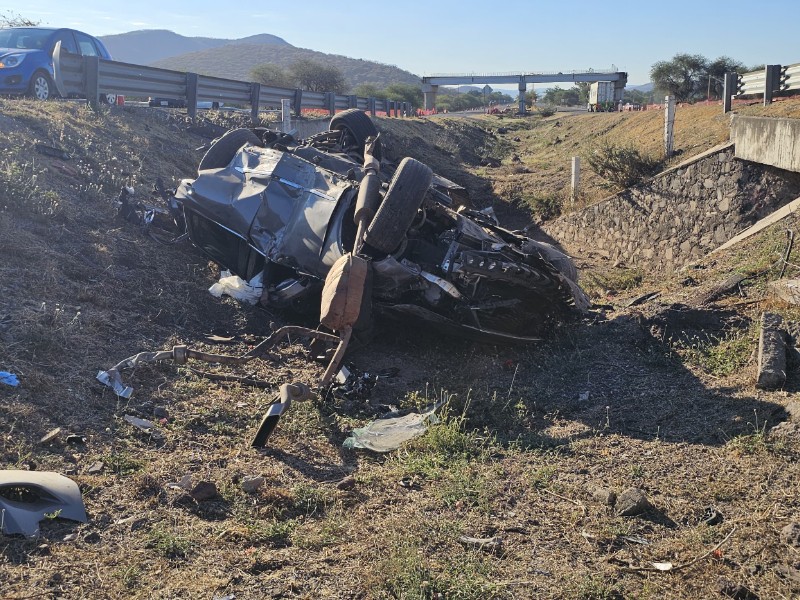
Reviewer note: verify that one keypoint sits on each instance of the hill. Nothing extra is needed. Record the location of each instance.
(508, 496)
(146, 46)
(237, 60)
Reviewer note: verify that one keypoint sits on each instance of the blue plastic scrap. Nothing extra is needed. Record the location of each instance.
(9, 378)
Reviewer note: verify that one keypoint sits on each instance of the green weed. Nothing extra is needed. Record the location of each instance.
(168, 543)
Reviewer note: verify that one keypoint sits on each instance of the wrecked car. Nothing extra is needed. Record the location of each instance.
(266, 204)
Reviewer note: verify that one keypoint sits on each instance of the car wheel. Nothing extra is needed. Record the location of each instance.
(399, 207)
(41, 86)
(357, 127)
(223, 150)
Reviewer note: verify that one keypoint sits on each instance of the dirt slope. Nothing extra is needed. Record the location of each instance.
(653, 396)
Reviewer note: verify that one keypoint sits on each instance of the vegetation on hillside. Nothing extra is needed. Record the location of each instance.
(238, 61)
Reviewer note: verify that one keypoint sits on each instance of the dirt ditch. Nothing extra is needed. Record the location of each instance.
(612, 460)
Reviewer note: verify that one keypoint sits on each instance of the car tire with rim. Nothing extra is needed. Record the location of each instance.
(406, 191)
(358, 127)
(223, 150)
(41, 86)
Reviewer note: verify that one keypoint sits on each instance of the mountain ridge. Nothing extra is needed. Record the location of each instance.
(235, 59)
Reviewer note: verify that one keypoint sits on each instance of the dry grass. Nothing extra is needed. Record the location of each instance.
(520, 447)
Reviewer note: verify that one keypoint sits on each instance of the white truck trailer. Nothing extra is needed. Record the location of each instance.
(601, 97)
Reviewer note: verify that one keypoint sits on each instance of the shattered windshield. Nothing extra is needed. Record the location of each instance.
(30, 39)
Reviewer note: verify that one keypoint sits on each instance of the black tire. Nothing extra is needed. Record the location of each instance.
(223, 150)
(357, 127)
(399, 207)
(41, 86)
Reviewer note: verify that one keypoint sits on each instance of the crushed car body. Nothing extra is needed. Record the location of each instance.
(265, 203)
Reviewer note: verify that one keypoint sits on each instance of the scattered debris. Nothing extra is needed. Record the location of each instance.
(184, 484)
(492, 545)
(9, 378)
(76, 439)
(252, 484)
(71, 537)
(348, 483)
(632, 502)
(27, 497)
(50, 436)
(583, 397)
(96, 468)
(793, 410)
(237, 288)
(160, 412)
(351, 384)
(723, 289)
(144, 425)
(642, 299)
(711, 516)
(288, 393)
(391, 431)
(771, 353)
(204, 490)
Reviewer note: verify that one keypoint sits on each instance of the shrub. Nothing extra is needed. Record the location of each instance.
(622, 166)
(547, 111)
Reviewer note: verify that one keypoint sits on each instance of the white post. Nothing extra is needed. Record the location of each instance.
(576, 176)
(286, 109)
(669, 124)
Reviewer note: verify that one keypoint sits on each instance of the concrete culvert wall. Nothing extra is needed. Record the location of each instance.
(679, 215)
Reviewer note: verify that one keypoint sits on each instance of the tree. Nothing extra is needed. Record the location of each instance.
(405, 92)
(716, 73)
(683, 77)
(14, 20)
(560, 96)
(369, 90)
(272, 75)
(316, 77)
(691, 77)
(531, 98)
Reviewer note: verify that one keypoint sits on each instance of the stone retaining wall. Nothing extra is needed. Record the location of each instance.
(679, 215)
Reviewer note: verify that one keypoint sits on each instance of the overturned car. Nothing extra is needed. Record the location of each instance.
(263, 203)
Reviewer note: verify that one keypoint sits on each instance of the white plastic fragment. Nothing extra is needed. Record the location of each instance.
(237, 288)
(115, 383)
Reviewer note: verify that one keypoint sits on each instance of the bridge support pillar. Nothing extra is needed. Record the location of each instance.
(522, 89)
(429, 96)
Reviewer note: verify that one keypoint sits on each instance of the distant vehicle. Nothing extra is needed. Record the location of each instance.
(181, 103)
(26, 59)
(601, 97)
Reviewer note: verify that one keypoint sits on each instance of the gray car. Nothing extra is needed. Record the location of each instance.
(265, 203)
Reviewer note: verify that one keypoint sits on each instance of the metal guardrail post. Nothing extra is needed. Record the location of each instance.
(330, 100)
(772, 80)
(255, 101)
(729, 89)
(298, 102)
(191, 95)
(91, 66)
(352, 101)
(371, 102)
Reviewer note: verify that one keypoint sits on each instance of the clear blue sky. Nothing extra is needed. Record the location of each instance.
(467, 36)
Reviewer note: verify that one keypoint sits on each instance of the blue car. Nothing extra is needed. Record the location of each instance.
(26, 58)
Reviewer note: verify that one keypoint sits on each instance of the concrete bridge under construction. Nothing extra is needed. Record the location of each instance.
(431, 83)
